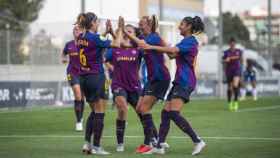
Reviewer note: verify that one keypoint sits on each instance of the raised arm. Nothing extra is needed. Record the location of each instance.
(172, 51)
(109, 29)
(119, 34)
(133, 37)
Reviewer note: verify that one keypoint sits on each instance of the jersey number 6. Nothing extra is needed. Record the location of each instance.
(83, 58)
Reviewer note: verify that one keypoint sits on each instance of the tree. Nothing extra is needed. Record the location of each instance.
(16, 15)
(234, 27)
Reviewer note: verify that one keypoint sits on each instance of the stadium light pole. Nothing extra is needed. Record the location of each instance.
(269, 29)
(160, 14)
(83, 6)
(8, 43)
(220, 50)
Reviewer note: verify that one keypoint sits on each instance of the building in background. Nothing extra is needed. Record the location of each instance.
(171, 10)
(256, 22)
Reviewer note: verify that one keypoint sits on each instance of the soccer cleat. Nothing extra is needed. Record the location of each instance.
(146, 150)
(87, 149)
(100, 151)
(79, 126)
(230, 106)
(120, 148)
(235, 106)
(138, 149)
(198, 147)
(160, 151)
(164, 145)
(242, 98)
(255, 98)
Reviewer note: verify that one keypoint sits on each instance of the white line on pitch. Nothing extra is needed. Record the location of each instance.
(259, 108)
(172, 137)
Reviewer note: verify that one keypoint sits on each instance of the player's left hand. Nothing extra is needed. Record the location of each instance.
(121, 23)
(109, 28)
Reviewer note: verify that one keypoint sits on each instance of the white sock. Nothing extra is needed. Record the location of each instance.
(255, 92)
(243, 92)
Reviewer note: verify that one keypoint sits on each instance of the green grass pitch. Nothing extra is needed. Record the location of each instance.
(253, 132)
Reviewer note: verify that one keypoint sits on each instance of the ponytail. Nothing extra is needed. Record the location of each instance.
(84, 20)
(81, 20)
(154, 23)
(197, 24)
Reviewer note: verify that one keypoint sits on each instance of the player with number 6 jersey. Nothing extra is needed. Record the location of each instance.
(92, 76)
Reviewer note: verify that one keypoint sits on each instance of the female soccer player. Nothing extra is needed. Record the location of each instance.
(92, 76)
(158, 79)
(249, 76)
(124, 62)
(73, 70)
(185, 53)
(233, 69)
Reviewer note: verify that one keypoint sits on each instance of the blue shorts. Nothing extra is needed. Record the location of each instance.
(178, 91)
(157, 89)
(131, 97)
(73, 79)
(93, 87)
(250, 78)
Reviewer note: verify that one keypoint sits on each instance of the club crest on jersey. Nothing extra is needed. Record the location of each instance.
(117, 90)
(134, 52)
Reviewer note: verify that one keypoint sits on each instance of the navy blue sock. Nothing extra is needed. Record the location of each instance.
(142, 122)
(148, 128)
(164, 127)
(184, 125)
(98, 122)
(229, 94)
(120, 129)
(236, 93)
(78, 107)
(89, 127)
(82, 109)
(154, 130)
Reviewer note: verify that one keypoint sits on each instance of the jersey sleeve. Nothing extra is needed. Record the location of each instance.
(101, 42)
(184, 47)
(224, 55)
(109, 55)
(154, 40)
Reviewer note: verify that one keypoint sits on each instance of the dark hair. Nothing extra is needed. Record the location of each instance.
(84, 20)
(232, 39)
(152, 21)
(137, 33)
(196, 22)
(136, 29)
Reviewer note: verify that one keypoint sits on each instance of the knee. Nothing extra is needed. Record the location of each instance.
(78, 97)
(99, 107)
(144, 107)
(122, 108)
